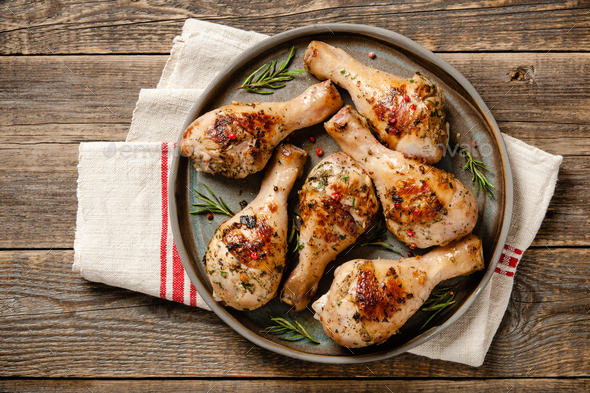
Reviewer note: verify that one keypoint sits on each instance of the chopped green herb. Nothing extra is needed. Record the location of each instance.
(343, 71)
(248, 286)
(223, 274)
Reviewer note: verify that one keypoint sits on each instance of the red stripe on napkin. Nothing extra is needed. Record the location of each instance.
(193, 295)
(164, 236)
(504, 272)
(513, 249)
(508, 261)
(177, 276)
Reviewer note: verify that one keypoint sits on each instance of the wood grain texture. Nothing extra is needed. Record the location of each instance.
(539, 385)
(554, 138)
(83, 89)
(80, 27)
(56, 324)
(38, 198)
(104, 89)
(96, 96)
(64, 133)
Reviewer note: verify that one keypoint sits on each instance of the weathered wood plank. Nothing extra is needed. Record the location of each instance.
(55, 324)
(78, 27)
(33, 134)
(539, 385)
(554, 138)
(104, 89)
(38, 198)
(86, 89)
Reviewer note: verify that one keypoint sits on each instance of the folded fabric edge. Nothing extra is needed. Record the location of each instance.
(533, 154)
(77, 265)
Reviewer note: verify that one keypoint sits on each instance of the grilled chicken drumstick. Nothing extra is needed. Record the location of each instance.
(246, 257)
(407, 115)
(423, 205)
(237, 140)
(337, 203)
(369, 300)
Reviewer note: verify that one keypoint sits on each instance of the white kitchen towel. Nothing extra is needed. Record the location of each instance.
(123, 236)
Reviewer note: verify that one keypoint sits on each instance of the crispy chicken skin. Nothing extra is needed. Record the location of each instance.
(370, 300)
(247, 255)
(237, 140)
(422, 205)
(406, 115)
(337, 203)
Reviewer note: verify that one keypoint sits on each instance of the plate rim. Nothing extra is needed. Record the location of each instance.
(411, 46)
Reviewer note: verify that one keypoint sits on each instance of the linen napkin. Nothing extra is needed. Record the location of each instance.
(123, 236)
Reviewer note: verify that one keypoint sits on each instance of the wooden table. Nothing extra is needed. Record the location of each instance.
(71, 72)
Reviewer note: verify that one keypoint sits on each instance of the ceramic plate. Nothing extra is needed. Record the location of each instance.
(467, 115)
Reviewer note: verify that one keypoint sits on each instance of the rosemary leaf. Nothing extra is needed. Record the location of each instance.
(438, 301)
(373, 239)
(283, 326)
(211, 204)
(438, 306)
(479, 178)
(293, 237)
(266, 76)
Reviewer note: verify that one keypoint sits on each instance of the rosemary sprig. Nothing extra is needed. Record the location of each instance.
(269, 75)
(210, 205)
(283, 326)
(293, 239)
(438, 301)
(479, 178)
(374, 239)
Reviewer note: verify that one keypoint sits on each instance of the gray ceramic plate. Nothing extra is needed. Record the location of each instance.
(467, 115)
